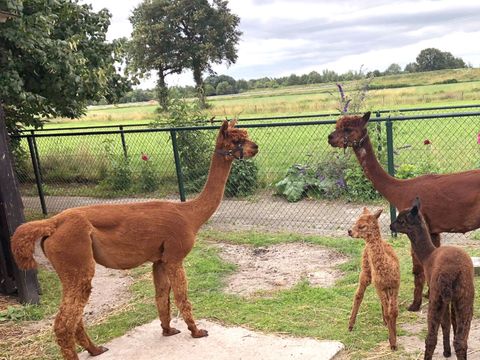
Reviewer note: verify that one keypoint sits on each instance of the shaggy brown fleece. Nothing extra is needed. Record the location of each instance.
(125, 236)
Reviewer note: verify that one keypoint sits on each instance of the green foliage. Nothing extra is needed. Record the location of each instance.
(54, 60)
(169, 36)
(118, 176)
(433, 59)
(149, 179)
(359, 187)
(243, 179)
(298, 180)
(194, 147)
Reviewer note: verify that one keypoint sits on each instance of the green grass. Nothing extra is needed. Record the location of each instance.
(321, 313)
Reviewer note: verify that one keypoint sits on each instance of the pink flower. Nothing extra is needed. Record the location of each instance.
(144, 157)
(478, 138)
(427, 142)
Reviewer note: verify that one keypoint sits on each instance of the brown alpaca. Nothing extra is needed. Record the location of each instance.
(451, 202)
(125, 236)
(380, 266)
(449, 274)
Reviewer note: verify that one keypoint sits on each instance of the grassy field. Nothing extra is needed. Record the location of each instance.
(391, 92)
(300, 311)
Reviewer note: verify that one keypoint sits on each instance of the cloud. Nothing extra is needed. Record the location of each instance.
(283, 37)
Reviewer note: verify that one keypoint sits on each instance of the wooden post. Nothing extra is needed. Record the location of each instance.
(12, 279)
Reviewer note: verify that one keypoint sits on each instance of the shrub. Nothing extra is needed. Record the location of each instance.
(148, 180)
(118, 174)
(243, 179)
(298, 180)
(193, 146)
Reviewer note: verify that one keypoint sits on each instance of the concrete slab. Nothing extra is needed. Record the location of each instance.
(476, 265)
(233, 343)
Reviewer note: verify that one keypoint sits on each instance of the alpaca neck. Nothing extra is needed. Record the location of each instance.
(205, 204)
(381, 180)
(422, 244)
(375, 248)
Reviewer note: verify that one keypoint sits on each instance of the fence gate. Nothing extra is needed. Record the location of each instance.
(12, 280)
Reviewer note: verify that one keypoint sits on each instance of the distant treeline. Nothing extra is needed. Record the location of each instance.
(427, 60)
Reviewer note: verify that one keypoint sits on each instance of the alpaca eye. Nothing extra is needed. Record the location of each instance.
(362, 227)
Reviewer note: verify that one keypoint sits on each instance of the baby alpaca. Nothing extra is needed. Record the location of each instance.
(449, 274)
(380, 266)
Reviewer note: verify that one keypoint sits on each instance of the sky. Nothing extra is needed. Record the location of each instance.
(281, 37)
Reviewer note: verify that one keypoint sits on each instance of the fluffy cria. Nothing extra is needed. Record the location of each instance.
(449, 273)
(379, 266)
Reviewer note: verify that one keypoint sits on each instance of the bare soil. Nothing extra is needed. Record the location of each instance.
(277, 267)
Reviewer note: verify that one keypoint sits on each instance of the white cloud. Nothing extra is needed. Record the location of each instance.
(281, 37)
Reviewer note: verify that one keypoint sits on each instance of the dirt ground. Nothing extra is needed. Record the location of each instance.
(276, 267)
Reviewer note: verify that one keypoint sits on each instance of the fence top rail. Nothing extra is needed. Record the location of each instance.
(288, 117)
(249, 126)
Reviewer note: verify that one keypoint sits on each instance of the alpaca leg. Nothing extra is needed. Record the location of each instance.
(463, 318)
(446, 324)
(419, 280)
(162, 298)
(84, 340)
(365, 279)
(392, 314)
(178, 280)
(436, 309)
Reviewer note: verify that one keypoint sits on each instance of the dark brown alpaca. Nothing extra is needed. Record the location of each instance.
(126, 236)
(451, 202)
(449, 274)
(380, 266)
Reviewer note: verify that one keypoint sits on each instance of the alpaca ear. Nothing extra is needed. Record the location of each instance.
(414, 210)
(224, 128)
(233, 122)
(417, 203)
(378, 213)
(365, 210)
(366, 117)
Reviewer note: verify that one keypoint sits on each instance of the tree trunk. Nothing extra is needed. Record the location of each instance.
(162, 91)
(197, 77)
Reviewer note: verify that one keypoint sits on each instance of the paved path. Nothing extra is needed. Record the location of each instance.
(223, 343)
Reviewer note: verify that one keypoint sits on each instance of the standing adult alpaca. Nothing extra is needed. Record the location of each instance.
(451, 202)
(449, 273)
(380, 266)
(125, 236)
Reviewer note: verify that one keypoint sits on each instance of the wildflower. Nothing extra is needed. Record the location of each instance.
(340, 89)
(427, 142)
(345, 107)
(144, 157)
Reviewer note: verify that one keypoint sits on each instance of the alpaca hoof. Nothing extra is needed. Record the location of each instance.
(414, 307)
(350, 327)
(170, 332)
(393, 347)
(447, 353)
(200, 333)
(97, 351)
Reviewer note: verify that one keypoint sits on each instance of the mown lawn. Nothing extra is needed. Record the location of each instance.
(321, 313)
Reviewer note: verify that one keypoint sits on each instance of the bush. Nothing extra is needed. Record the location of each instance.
(298, 180)
(194, 147)
(243, 179)
(118, 174)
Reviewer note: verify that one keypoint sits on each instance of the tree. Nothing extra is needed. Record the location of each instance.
(155, 45)
(54, 59)
(224, 88)
(191, 34)
(411, 67)
(433, 59)
(393, 69)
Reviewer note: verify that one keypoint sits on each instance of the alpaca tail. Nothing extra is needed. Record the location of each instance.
(23, 241)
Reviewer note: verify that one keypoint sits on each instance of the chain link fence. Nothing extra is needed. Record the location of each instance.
(297, 182)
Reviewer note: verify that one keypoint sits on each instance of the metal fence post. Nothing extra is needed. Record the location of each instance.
(37, 175)
(391, 167)
(124, 143)
(178, 166)
(37, 157)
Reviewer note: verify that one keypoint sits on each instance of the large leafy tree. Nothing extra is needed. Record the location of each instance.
(190, 34)
(54, 60)
(433, 59)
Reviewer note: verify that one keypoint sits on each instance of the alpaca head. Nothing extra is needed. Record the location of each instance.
(366, 226)
(350, 130)
(233, 143)
(409, 219)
